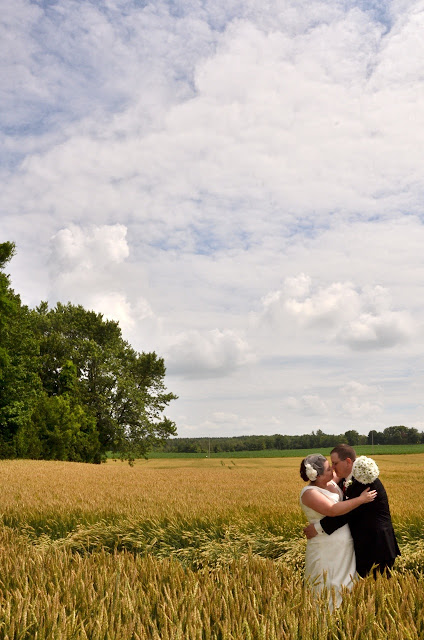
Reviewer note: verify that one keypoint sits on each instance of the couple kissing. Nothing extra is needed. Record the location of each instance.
(350, 529)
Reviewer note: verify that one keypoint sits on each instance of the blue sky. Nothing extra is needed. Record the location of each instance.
(240, 185)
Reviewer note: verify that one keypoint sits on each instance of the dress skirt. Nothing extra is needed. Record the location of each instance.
(330, 561)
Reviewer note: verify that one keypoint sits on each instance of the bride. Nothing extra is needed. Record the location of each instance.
(329, 560)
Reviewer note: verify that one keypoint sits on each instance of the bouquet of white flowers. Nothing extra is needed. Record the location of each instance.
(365, 470)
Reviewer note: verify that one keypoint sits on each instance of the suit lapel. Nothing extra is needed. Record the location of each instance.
(344, 492)
(352, 489)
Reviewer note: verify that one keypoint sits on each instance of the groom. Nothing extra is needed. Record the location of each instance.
(370, 524)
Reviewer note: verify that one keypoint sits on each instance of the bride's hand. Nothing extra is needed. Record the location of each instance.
(368, 496)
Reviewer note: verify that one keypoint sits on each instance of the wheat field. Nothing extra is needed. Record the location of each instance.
(187, 549)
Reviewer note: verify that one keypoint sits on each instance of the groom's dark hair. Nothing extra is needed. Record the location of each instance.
(345, 451)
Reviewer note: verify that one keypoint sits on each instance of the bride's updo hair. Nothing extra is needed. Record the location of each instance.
(312, 466)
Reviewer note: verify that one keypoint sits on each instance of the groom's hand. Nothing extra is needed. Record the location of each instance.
(310, 531)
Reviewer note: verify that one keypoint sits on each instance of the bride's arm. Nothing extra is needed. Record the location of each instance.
(318, 502)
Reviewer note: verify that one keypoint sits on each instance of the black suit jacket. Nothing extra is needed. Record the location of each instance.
(371, 528)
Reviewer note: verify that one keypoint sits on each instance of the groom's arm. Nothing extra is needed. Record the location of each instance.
(331, 524)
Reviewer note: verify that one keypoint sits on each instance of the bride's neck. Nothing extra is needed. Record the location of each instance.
(319, 483)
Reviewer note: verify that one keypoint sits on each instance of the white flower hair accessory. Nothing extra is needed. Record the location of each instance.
(311, 472)
(365, 470)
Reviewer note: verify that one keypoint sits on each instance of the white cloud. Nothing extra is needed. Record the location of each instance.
(362, 401)
(209, 353)
(310, 405)
(297, 286)
(245, 165)
(370, 331)
(87, 262)
(327, 306)
(353, 387)
(222, 417)
(289, 125)
(88, 248)
(363, 410)
(115, 306)
(341, 312)
(87, 266)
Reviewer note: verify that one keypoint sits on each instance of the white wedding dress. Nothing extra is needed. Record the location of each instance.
(330, 556)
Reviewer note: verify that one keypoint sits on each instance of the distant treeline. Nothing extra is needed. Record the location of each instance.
(390, 435)
(71, 388)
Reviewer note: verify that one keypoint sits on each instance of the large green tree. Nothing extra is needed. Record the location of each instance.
(19, 360)
(71, 387)
(121, 389)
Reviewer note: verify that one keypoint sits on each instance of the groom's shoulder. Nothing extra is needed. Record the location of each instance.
(379, 486)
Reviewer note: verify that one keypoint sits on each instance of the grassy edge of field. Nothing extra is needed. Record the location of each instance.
(361, 450)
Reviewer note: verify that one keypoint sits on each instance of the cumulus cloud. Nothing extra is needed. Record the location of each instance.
(222, 417)
(360, 318)
(87, 267)
(211, 353)
(353, 387)
(89, 247)
(116, 306)
(86, 261)
(297, 286)
(259, 118)
(327, 306)
(362, 400)
(309, 405)
(368, 331)
(219, 424)
(188, 161)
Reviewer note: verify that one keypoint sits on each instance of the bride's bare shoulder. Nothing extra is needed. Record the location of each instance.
(332, 486)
